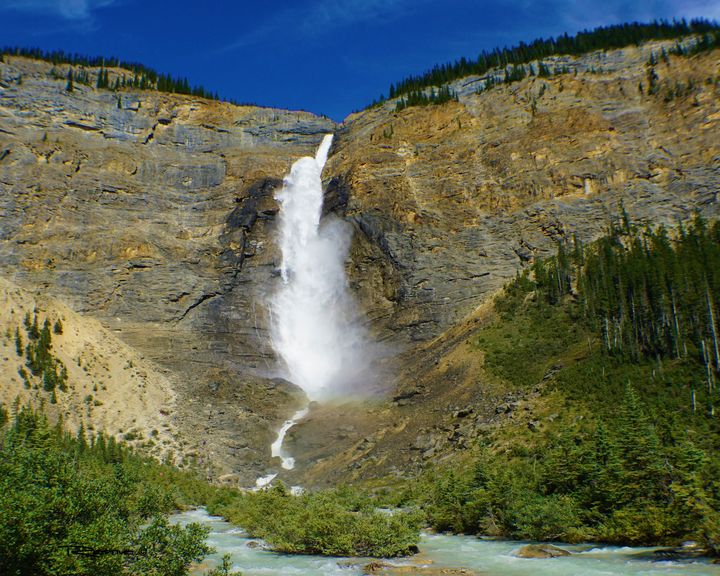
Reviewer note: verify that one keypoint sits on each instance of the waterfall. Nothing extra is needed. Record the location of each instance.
(276, 450)
(313, 323)
(314, 326)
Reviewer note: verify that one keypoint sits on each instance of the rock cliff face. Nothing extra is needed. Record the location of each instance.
(154, 214)
(149, 212)
(460, 196)
(451, 201)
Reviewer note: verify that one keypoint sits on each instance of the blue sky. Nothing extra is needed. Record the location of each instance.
(327, 56)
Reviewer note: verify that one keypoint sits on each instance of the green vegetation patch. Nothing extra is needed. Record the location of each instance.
(50, 371)
(73, 507)
(339, 522)
(619, 339)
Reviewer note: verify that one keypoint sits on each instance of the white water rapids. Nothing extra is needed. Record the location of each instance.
(447, 554)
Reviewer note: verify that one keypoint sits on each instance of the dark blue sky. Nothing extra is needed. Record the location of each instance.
(327, 56)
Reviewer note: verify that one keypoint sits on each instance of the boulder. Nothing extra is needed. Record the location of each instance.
(386, 569)
(540, 551)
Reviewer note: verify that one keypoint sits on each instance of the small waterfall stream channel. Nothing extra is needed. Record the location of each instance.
(325, 350)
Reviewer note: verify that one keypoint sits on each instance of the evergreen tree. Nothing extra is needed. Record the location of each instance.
(644, 473)
(18, 342)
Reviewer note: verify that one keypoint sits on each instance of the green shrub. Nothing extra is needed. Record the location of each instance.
(339, 522)
(72, 508)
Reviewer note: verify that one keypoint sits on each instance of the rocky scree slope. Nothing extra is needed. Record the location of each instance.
(110, 388)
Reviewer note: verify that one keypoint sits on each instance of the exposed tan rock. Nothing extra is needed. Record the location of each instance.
(459, 197)
(387, 569)
(156, 218)
(111, 387)
(540, 551)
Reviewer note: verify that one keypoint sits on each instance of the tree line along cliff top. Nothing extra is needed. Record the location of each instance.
(601, 38)
(414, 88)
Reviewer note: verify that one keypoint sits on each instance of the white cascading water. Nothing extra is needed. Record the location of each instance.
(276, 449)
(313, 323)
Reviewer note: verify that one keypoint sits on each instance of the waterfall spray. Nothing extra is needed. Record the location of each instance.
(314, 323)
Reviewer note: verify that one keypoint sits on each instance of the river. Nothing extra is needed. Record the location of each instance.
(486, 557)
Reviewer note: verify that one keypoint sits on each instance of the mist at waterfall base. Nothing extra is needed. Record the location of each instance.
(314, 323)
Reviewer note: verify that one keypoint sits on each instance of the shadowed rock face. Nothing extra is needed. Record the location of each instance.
(156, 216)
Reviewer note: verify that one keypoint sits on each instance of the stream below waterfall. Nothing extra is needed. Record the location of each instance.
(276, 449)
(483, 557)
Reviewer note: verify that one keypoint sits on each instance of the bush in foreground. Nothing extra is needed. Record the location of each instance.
(339, 522)
(72, 508)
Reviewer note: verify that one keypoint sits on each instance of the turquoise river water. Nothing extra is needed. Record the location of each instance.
(486, 557)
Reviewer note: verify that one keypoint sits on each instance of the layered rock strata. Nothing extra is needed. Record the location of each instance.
(154, 214)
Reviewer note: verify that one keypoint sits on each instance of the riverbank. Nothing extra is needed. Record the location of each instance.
(445, 552)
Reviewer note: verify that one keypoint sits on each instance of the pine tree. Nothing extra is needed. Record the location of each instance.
(645, 474)
(607, 476)
(18, 342)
